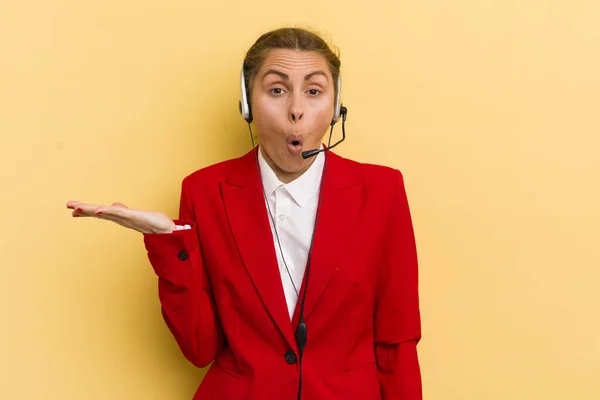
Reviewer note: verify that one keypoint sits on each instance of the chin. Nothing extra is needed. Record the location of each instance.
(293, 165)
(289, 163)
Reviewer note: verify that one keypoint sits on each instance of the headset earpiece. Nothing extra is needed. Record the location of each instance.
(337, 111)
(244, 103)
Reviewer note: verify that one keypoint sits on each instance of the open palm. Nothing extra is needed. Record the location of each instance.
(140, 220)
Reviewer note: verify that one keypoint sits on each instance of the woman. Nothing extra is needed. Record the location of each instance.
(296, 275)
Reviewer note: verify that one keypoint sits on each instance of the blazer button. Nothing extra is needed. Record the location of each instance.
(183, 255)
(290, 357)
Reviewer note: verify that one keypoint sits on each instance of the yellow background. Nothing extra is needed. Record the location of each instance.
(490, 109)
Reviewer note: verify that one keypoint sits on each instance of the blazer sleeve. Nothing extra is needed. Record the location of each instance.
(397, 316)
(184, 290)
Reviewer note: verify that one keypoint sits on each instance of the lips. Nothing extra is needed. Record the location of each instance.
(295, 145)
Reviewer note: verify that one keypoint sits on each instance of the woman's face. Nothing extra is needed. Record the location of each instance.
(292, 107)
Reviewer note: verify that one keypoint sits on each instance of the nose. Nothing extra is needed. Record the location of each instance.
(296, 116)
(296, 110)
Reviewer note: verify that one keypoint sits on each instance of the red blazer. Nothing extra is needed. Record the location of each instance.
(222, 298)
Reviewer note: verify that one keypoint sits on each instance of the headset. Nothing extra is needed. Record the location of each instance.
(339, 111)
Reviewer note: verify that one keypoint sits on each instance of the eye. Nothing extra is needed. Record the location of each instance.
(314, 92)
(276, 91)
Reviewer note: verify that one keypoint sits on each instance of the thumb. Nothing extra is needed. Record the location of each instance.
(117, 204)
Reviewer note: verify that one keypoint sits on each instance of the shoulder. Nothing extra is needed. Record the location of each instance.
(372, 176)
(214, 173)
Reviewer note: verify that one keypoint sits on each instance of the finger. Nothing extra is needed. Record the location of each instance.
(106, 217)
(74, 204)
(114, 211)
(89, 209)
(76, 213)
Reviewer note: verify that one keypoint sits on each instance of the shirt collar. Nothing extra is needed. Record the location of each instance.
(302, 189)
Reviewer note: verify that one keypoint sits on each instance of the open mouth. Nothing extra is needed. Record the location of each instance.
(295, 145)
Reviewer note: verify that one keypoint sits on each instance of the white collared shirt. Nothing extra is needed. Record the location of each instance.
(293, 207)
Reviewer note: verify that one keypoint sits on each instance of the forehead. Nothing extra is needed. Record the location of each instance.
(291, 60)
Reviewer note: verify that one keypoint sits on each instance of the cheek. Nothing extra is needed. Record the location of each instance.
(268, 108)
(263, 103)
(268, 124)
(327, 114)
(268, 114)
(267, 129)
(323, 117)
(324, 108)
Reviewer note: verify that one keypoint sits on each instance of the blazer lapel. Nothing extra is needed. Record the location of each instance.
(248, 219)
(341, 199)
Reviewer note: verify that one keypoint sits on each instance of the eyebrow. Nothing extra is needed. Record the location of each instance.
(286, 77)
